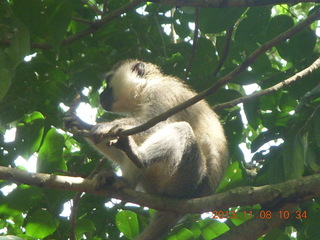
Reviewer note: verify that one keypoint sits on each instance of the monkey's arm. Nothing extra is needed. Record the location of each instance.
(131, 150)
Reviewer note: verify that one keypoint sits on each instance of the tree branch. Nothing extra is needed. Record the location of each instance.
(224, 80)
(298, 76)
(280, 197)
(225, 52)
(76, 199)
(297, 190)
(93, 7)
(195, 40)
(96, 25)
(229, 3)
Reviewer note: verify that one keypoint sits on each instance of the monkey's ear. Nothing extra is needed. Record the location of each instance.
(139, 68)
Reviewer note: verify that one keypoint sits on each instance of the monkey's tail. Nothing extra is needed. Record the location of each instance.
(160, 225)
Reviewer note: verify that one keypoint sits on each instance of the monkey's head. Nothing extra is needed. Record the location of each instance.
(125, 82)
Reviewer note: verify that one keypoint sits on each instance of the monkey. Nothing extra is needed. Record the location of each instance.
(184, 156)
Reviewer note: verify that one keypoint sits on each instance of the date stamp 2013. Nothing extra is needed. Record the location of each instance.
(261, 214)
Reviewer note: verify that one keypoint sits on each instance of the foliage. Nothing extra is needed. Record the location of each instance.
(65, 58)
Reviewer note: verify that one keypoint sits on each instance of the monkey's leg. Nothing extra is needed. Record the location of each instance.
(173, 143)
(173, 166)
(160, 224)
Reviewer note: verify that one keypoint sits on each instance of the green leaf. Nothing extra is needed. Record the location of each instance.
(59, 12)
(276, 234)
(50, 154)
(127, 223)
(183, 234)
(211, 19)
(41, 224)
(29, 134)
(84, 226)
(32, 13)
(293, 158)
(205, 58)
(20, 200)
(54, 16)
(278, 25)
(317, 127)
(20, 44)
(276, 171)
(250, 29)
(5, 81)
(297, 47)
(211, 229)
(251, 110)
(232, 179)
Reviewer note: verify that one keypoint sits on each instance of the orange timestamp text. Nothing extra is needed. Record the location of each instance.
(263, 214)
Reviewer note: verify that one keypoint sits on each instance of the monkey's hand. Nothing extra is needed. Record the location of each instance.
(111, 134)
(105, 132)
(76, 125)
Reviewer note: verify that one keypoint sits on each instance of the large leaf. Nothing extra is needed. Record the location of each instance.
(50, 154)
(20, 44)
(84, 226)
(252, 28)
(5, 81)
(41, 224)
(47, 20)
(29, 134)
(211, 229)
(205, 58)
(127, 223)
(59, 20)
(214, 20)
(20, 200)
(293, 158)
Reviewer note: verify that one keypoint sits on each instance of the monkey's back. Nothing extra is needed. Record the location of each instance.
(166, 92)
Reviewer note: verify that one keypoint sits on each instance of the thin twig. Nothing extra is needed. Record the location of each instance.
(82, 20)
(224, 80)
(225, 52)
(229, 3)
(195, 41)
(315, 65)
(161, 36)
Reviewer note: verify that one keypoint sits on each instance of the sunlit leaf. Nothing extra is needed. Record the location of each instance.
(29, 134)
(127, 223)
(50, 154)
(41, 224)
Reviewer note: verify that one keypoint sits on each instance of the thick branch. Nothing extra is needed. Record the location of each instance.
(224, 80)
(229, 3)
(300, 75)
(295, 191)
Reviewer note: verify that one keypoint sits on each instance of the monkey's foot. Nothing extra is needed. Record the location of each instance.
(108, 179)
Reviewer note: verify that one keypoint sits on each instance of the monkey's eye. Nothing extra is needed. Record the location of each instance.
(139, 68)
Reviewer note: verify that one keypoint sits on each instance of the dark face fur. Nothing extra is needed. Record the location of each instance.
(121, 85)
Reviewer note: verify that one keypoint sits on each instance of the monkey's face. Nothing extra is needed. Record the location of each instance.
(125, 83)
